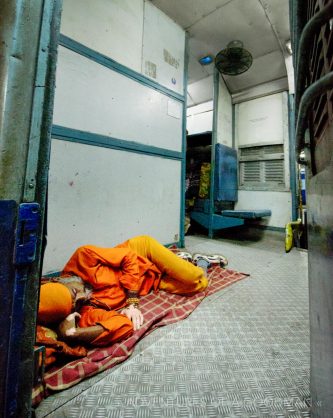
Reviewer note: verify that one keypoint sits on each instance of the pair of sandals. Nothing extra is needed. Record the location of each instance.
(213, 260)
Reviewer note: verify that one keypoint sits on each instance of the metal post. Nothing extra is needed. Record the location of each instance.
(214, 141)
(292, 157)
(183, 162)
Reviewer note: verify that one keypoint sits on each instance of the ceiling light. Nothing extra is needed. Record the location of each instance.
(289, 48)
(206, 60)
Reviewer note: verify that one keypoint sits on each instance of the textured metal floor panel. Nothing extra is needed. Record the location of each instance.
(243, 353)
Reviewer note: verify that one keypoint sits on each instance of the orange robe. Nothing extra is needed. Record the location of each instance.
(139, 264)
(111, 271)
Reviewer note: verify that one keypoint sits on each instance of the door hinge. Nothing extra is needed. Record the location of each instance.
(27, 233)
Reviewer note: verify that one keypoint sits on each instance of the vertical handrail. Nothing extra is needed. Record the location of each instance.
(315, 90)
(302, 35)
(303, 50)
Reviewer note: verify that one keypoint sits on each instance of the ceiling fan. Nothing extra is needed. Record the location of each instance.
(234, 59)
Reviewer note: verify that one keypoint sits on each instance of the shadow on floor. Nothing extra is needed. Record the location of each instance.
(248, 235)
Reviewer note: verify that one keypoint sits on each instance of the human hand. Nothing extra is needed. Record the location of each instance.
(67, 327)
(135, 315)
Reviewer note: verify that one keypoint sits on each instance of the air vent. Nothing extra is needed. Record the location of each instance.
(251, 152)
(273, 149)
(251, 172)
(262, 167)
(274, 171)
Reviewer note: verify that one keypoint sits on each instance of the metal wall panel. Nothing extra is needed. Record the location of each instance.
(163, 49)
(200, 118)
(225, 185)
(278, 202)
(260, 121)
(112, 27)
(264, 121)
(90, 97)
(103, 196)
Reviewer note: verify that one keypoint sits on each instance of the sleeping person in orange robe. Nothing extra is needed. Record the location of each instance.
(113, 279)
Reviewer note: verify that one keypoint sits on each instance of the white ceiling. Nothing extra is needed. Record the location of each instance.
(262, 26)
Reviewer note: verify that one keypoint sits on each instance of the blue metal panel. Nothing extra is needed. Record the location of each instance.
(303, 185)
(226, 187)
(25, 253)
(26, 234)
(202, 205)
(8, 210)
(247, 214)
(217, 221)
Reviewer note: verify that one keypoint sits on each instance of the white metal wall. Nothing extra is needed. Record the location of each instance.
(200, 118)
(163, 49)
(201, 91)
(105, 196)
(259, 122)
(102, 101)
(102, 195)
(134, 33)
(112, 27)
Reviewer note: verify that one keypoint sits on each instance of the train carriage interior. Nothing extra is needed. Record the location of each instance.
(206, 124)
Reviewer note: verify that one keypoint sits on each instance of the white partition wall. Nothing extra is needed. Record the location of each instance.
(163, 53)
(261, 121)
(116, 195)
(200, 118)
(261, 129)
(116, 105)
(100, 25)
(117, 157)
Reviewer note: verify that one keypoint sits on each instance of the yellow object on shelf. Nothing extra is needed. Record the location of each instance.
(204, 180)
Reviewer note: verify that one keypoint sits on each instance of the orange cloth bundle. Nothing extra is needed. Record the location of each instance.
(55, 303)
(55, 349)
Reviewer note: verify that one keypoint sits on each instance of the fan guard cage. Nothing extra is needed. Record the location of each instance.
(234, 59)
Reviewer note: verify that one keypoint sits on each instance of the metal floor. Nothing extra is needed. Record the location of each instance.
(244, 352)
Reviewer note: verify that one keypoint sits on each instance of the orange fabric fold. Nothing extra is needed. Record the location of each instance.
(117, 326)
(111, 271)
(55, 349)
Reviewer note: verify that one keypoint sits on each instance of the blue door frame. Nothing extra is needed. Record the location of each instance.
(28, 49)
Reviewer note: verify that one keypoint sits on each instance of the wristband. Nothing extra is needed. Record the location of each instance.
(133, 301)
